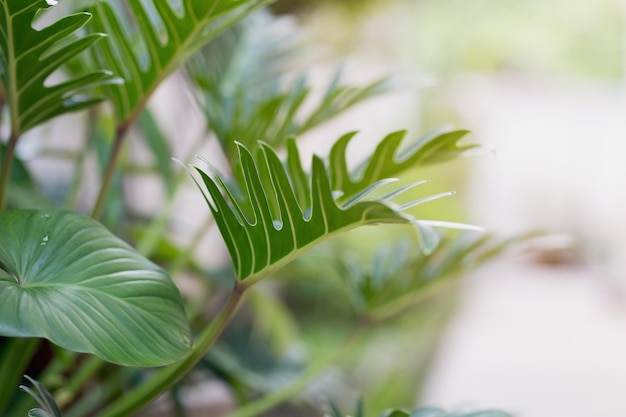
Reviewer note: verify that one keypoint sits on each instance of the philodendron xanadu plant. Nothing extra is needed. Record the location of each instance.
(66, 278)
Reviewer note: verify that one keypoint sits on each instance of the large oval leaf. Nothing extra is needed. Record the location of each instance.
(65, 277)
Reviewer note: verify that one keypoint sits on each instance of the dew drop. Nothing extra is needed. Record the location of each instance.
(44, 240)
(185, 338)
(45, 217)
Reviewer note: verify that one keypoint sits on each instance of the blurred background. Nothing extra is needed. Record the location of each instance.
(542, 83)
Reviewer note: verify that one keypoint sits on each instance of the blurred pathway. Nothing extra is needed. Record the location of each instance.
(534, 341)
(541, 341)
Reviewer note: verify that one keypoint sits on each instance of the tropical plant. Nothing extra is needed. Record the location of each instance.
(85, 312)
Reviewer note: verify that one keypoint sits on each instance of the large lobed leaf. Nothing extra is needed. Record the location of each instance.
(29, 56)
(65, 277)
(278, 212)
(168, 35)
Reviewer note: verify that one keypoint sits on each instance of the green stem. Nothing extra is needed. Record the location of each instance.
(410, 300)
(79, 165)
(87, 370)
(15, 359)
(5, 173)
(95, 398)
(272, 400)
(167, 377)
(120, 135)
(156, 228)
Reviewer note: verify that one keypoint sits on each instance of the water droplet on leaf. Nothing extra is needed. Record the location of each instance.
(186, 339)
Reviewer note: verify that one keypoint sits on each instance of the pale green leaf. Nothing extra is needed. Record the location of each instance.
(249, 92)
(401, 276)
(155, 38)
(29, 56)
(66, 278)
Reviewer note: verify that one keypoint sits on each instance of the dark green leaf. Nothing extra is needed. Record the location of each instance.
(261, 240)
(28, 57)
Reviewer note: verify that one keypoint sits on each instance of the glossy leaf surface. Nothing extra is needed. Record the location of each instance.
(66, 278)
(29, 56)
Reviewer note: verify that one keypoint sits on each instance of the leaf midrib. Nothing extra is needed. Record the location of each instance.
(11, 72)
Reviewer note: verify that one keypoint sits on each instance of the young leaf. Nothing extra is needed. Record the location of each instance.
(169, 37)
(49, 407)
(28, 57)
(65, 277)
(268, 226)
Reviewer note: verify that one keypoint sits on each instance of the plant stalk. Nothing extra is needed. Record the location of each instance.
(410, 300)
(120, 135)
(170, 375)
(158, 225)
(65, 395)
(5, 173)
(182, 260)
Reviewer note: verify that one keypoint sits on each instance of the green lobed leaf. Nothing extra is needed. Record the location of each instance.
(65, 277)
(168, 36)
(388, 161)
(269, 225)
(29, 56)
